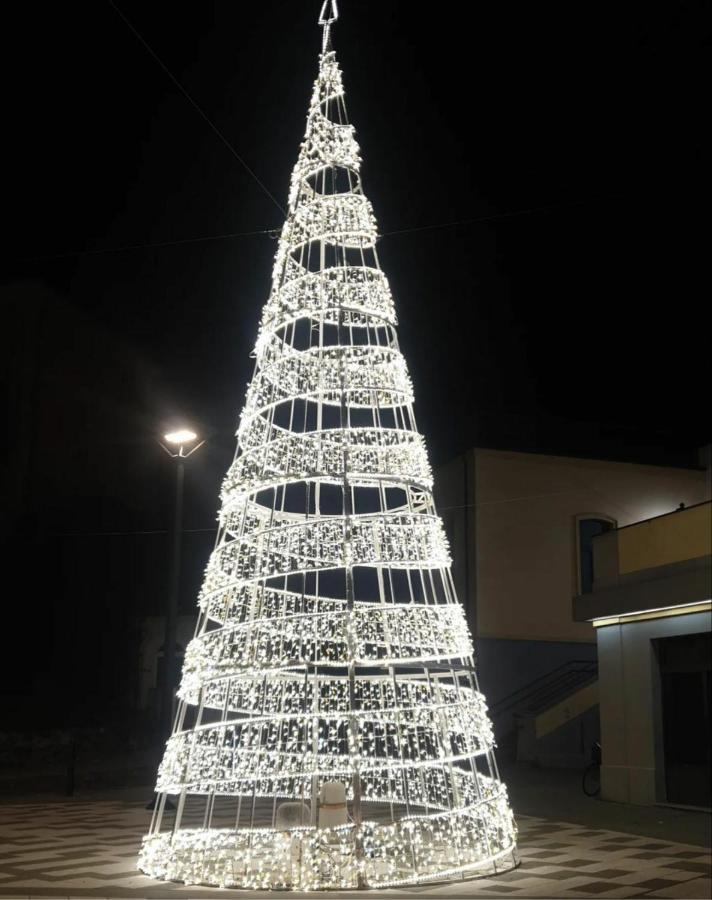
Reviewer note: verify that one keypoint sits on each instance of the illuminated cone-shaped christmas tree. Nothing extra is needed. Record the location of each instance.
(330, 732)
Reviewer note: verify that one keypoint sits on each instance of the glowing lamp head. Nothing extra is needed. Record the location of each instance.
(183, 436)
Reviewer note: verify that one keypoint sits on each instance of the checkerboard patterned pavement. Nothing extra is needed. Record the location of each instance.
(87, 848)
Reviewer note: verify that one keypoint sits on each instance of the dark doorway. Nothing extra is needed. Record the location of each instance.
(686, 689)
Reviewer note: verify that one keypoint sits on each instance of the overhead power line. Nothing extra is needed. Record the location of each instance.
(197, 107)
(275, 231)
(149, 245)
(489, 218)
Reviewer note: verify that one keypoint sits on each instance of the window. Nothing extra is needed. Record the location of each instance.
(587, 528)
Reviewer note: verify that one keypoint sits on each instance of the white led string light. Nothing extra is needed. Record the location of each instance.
(331, 648)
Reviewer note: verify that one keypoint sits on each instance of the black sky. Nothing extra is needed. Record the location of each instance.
(576, 133)
(587, 124)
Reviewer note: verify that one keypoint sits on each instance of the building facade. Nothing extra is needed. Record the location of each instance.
(650, 604)
(522, 527)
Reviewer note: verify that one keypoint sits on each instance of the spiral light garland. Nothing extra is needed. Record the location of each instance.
(331, 648)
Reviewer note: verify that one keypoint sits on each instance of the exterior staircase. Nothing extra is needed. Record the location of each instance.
(553, 719)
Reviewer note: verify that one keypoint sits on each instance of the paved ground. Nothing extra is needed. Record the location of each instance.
(86, 847)
(557, 794)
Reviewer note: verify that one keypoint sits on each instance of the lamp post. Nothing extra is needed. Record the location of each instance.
(175, 446)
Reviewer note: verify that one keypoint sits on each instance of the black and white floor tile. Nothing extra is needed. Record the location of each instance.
(77, 848)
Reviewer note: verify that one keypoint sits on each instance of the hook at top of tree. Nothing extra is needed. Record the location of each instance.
(328, 15)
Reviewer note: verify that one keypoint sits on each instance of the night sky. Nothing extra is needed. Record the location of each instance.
(567, 140)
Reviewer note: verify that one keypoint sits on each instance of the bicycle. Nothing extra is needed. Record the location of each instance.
(591, 780)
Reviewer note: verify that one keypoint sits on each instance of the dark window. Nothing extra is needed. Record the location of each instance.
(588, 529)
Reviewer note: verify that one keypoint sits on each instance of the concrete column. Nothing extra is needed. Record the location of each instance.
(614, 768)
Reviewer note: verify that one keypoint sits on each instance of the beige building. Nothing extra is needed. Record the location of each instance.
(650, 605)
(521, 527)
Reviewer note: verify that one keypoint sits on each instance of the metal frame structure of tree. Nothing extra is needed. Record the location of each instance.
(330, 732)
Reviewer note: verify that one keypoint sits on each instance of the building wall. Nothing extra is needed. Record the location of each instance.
(511, 520)
(512, 517)
(633, 769)
(654, 543)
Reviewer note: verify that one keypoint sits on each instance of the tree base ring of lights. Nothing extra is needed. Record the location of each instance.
(475, 841)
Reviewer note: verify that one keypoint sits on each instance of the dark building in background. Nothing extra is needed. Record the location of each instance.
(86, 506)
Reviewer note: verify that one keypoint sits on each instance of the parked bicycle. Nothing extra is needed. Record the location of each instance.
(591, 781)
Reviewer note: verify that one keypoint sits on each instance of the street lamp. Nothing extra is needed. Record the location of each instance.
(180, 438)
(175, 446)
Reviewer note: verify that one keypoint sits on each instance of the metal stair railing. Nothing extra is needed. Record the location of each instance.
(547, 690)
